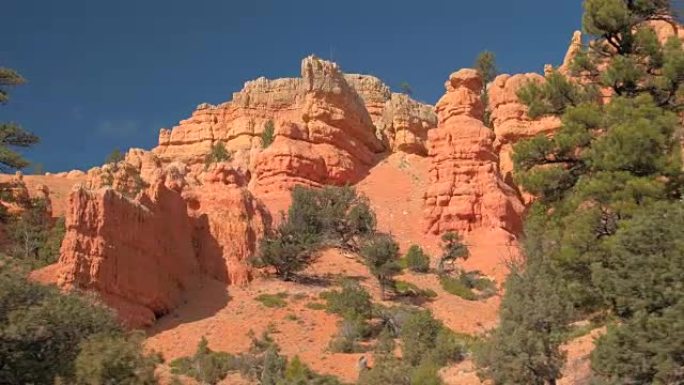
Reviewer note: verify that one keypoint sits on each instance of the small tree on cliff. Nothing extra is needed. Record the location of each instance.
(218, 153)
(268, 135)
(485, 64)
(114, 157)
(453, 249)
(405, 88)
(11, 134)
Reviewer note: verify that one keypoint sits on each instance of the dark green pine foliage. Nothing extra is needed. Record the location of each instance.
(485, 64)
(11, 134)
(610, 166)
(641, 277)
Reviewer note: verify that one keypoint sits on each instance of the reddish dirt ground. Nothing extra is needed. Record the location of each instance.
(226, 315)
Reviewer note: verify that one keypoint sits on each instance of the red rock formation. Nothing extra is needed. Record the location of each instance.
(329, 138)
(227, 223)
(141, 254)
(510, 120)
(466, 191)
(359, 105)
(402, 122)
(137, 254)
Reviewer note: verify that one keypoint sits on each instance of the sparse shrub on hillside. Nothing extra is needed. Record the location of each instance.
(205, 365)
(417, 260)
(405, 88)
(106, 359)
(354, 304)
(273, 300)
(217, 154)
(389, 370)
(263, 363)
(337, 216)
(380, 254)
(424, 337)
(268, 135)
(43, 331)
(298, 373)
(410, 290)
(352, 301)
(455, 286)
(453, 249)
(286, 250)
(427, 373)
(469, 285)
(418, 336)
(331, 216)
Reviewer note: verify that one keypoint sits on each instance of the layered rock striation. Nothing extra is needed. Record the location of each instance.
(142, 254)
(466, 191)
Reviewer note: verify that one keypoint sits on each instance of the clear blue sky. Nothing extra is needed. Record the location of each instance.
(109, 74)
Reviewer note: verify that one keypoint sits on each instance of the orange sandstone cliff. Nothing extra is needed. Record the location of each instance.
(466, 190)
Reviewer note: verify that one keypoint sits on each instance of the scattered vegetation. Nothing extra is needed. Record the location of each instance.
(51, 337)
(262, 363)
(468, 285)
(268, 135)
(353, 301)
(354, 304)
(416, 260)
(453, 249)
(331, 216)
(273, 300)
(380, 254)
(408, 289)
(316, 306)
(426, 347)
(217, 154)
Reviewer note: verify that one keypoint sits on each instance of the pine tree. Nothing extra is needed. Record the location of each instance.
(485, 64)
(607, 161)
(610, 163)
(641, 278)
(525, 347)
(11, 134)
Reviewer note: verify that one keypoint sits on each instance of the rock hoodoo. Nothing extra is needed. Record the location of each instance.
(466, 190)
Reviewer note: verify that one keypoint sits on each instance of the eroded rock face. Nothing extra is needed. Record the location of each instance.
(313, 108)
(510, 121)
(141, 254)
(400, 121)
(227, 222)
(329, 138)
(137, 254)
(466, 191)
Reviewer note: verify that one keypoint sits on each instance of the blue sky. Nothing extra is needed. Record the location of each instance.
(108, 74)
